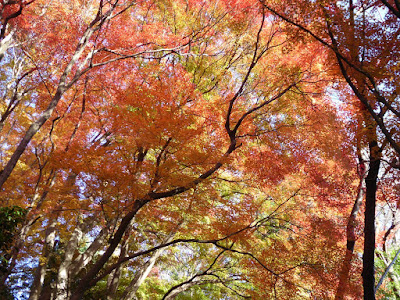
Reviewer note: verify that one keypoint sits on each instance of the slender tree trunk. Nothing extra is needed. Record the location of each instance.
(351, 236)
(21, 238)
(115, 276)
(396, 283)
(368, 273)
(83, 259)
(40, 272)
(62, 289)
(14, 252)
(389, 271)
(87, 280)
(130, 292)
(6, 43)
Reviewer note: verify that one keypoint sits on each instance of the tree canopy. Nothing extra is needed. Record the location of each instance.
(180, 149)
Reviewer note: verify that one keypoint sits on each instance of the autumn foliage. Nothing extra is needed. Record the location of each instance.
(191, 149)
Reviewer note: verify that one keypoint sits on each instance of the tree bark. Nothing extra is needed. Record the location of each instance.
(368, 273)
(87, 280)
(83, 259)
(40, 272)
(351, 239)
(62, 287)
(115, 276)
(388, 271)
(142, 274)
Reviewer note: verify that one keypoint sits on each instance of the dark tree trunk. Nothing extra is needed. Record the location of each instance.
(368, 273)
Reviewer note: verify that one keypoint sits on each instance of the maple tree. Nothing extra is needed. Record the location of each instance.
(362, 39)
(172, 148)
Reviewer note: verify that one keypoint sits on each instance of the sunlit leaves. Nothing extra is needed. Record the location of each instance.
(210, 116)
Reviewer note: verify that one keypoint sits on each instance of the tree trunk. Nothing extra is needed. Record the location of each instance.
(351, 237)
(115, 276)
(142, 274)
(368, 273)
(88, 280)
(85, 258)
(40, 272)
(62, 289)
(388, 271)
